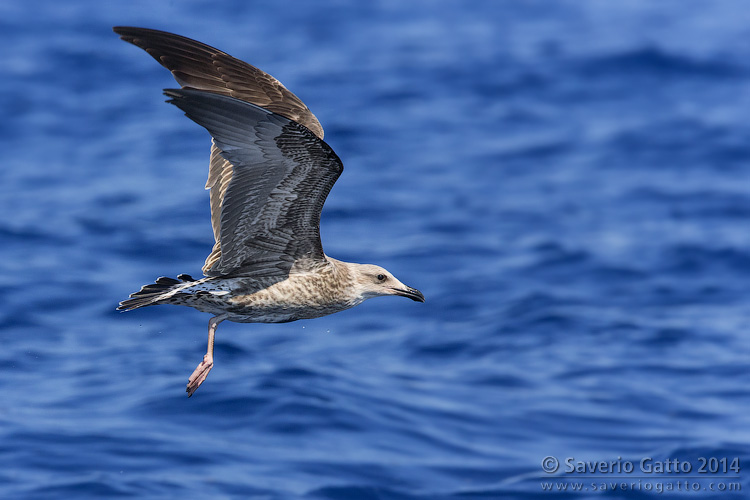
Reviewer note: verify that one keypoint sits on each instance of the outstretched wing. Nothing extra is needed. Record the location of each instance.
(199, 66)
(281, 176)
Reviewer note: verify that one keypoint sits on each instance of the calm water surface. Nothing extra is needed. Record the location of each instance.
(567, 182)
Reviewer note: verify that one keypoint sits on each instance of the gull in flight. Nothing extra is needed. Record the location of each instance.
(269, 174)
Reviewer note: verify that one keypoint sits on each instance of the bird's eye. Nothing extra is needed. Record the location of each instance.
(381, 277)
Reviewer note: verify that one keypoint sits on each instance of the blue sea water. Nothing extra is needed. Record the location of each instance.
(568, 182)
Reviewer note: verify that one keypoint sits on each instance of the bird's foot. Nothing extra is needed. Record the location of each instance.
(200, 374)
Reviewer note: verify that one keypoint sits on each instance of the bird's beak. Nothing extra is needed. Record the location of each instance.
(409, 292)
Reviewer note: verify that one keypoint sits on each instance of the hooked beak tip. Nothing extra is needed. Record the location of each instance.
(410, 293)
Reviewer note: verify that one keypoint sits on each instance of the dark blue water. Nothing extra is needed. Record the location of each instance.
(567, 182)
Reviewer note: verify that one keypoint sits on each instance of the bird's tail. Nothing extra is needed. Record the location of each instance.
(152, 294)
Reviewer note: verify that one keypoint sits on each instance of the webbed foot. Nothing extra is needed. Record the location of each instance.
(200, 374)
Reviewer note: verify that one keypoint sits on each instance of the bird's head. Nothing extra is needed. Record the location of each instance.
(374, 281)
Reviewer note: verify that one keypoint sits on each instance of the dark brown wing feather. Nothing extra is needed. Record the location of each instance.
(200, 66)
(282, 174)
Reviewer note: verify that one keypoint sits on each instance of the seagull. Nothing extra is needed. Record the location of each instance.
(269, 175)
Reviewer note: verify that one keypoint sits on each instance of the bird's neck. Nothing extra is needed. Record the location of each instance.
(340, 270)
(344, 274)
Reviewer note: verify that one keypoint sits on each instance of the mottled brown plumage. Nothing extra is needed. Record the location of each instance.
(269, 175)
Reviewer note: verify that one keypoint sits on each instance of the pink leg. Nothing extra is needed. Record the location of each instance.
(201, 372)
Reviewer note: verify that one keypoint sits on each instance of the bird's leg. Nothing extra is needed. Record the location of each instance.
(201, 372)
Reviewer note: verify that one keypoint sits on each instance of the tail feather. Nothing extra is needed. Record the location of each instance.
(151, 294)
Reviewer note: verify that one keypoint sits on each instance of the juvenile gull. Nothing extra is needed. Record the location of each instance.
(269, 174)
